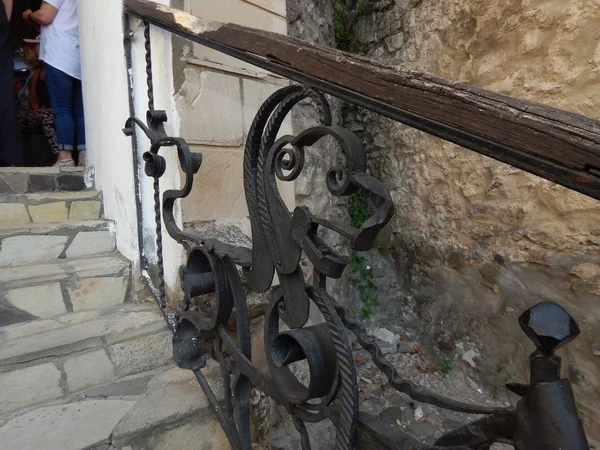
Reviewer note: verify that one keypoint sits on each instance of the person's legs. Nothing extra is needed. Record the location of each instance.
(79, 121)
(60, 91)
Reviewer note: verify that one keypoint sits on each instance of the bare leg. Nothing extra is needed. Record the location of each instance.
(65, 154)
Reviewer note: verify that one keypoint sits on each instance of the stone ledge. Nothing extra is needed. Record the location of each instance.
(43, 301)
(129, 386)
(55, 211)
(173, 397)
(28, 386)
(40, 170)
(111, 265)
(34, 342)
(132, 322)
(88, 370)
(143, 353)
(48, 197)
(54, 228)
(24, 249)
(143, 411)
(54, 343)
(20, 330)
(74, 426)
(41, 179)
(53, 298)
(85, 209)
(35, 243)
(45, 207)
(13, 214)
(88, 243)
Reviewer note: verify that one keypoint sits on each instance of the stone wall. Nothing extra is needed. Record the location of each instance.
(474, 242)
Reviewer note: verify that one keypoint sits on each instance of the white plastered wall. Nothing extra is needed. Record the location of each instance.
(215, 119)
(106, 101)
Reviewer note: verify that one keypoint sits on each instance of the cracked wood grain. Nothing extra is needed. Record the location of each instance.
(558, 145)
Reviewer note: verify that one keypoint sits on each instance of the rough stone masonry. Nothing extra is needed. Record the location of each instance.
(474, 242)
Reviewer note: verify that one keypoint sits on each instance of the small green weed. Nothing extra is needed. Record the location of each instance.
(359, 209)
(446, 367)
(343, 23)
(362, 280)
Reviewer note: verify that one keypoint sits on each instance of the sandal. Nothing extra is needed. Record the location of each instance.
(64, 163)
(81, 158)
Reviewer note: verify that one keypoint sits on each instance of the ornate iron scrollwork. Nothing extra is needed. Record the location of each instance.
(545, 418)
(279, 239)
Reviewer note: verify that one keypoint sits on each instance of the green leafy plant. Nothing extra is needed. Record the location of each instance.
(378, 245)
(345, 16)
(362, 280)
(343, 24)
(359, 209)
(343, 32)
(447, 365)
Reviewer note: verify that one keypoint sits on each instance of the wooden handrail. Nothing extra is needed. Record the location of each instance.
(557, 145)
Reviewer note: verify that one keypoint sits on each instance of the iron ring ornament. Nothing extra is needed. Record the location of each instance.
(545, 417)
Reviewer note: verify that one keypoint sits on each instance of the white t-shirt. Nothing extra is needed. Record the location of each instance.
(60, 40)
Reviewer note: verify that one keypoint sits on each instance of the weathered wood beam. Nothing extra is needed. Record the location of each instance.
(554, 144)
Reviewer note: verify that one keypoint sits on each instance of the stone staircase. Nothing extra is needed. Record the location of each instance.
(56, 254)
(81, 366)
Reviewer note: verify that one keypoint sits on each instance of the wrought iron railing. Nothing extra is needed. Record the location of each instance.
(545, 417)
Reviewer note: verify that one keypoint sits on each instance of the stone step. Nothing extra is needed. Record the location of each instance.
(21, 180)
(20, 209)
(158, 410)
(101, 379)
(65, 285)
(37, 242)
(51, 359)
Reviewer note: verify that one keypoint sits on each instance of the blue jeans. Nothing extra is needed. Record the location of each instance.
(67, 103)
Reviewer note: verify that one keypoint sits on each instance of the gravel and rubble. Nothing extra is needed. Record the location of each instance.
(376, 397)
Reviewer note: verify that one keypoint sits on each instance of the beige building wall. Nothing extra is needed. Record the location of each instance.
(217, 97)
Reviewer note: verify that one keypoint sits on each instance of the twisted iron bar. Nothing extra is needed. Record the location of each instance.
(155, 132)
(400, 384)
(159, 244)
(149, 79)
(156, 185)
